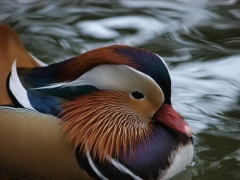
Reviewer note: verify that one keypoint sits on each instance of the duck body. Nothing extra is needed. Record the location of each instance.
(32, 150)
(105, 114)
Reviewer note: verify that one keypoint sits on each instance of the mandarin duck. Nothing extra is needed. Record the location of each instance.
(105, 114)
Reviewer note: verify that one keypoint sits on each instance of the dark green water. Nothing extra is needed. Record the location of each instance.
(200, 41)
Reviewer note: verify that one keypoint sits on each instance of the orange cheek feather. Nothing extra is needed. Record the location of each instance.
(98, 122)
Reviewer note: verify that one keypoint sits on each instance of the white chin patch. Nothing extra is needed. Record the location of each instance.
(180, 160)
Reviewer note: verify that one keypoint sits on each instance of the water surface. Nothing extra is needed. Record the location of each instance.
(200, 41)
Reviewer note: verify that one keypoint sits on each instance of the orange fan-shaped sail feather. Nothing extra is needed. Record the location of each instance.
(11, 48)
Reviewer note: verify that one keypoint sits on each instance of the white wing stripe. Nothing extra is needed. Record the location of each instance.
(17, 89)
(124, 169)
(94, 168)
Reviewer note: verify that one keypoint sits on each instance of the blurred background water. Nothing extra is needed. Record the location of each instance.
(199, 40)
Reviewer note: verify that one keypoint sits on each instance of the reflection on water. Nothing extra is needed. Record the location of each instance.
(199, 40)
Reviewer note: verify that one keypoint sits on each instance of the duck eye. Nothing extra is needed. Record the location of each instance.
(137, 95)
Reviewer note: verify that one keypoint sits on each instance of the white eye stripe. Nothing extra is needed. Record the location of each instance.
(120, 78)
(111, 77)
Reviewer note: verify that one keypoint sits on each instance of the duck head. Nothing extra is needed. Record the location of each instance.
(115, 107)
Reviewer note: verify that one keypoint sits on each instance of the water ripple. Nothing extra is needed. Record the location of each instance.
(199, 40)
